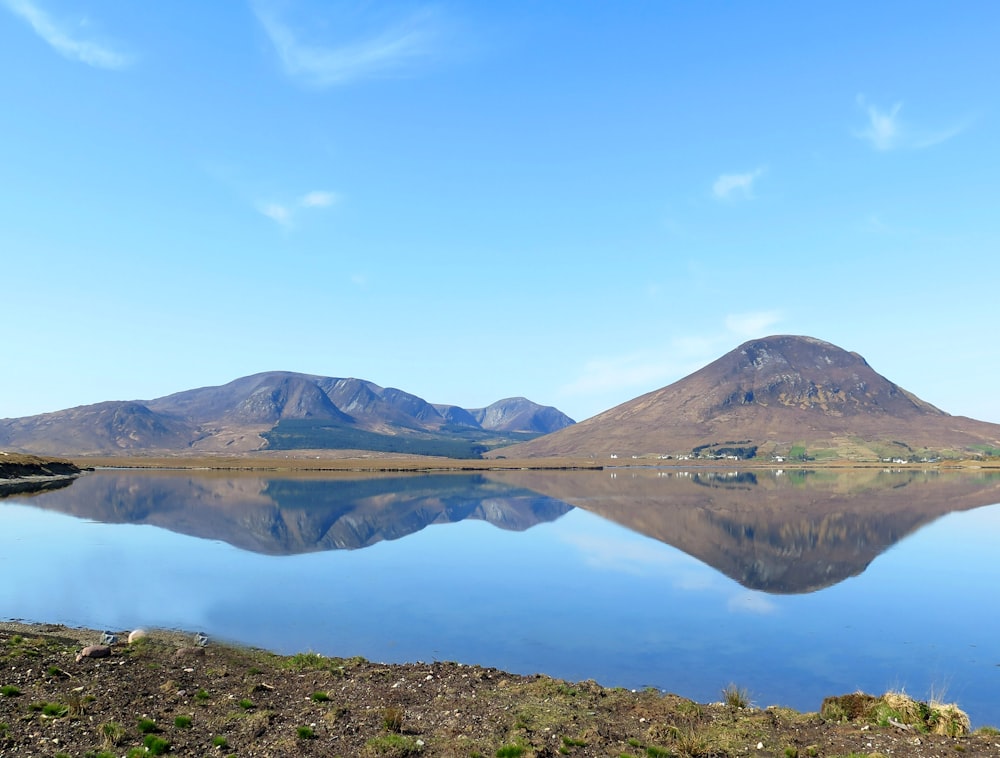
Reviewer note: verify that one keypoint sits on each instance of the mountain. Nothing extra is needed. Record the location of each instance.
(518, 414)
(281, 410)
(782, 396)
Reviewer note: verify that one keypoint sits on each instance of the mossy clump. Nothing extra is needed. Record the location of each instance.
(900, 710)
(856, 706)
(51, 710)
(155, 745)
(393, 746)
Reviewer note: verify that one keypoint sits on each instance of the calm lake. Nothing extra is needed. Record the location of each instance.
(793, 585)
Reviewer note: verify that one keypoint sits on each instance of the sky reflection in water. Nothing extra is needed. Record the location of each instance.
(574, 595)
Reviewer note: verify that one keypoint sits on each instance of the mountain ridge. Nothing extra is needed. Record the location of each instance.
(279, 410)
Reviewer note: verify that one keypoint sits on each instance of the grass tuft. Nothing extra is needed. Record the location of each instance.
(736, 697)
(112, 733)
(52, 710)
(392, 719)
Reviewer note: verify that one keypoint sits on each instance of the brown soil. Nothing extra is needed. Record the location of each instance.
(221, 700)
(26, 474)
(18, 465)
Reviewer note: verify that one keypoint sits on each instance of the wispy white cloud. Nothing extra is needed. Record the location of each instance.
(728, 186)
(276, 212)
(390, 51)
(65, 38)
(616, 373)
(882, 130)
(318, 199)
(751, 602)
(648, 369)
(886, 130)
(641, 557)
(752, 324)
(285, 213)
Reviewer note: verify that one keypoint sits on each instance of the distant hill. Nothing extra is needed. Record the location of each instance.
(283, 411)
(784, 396)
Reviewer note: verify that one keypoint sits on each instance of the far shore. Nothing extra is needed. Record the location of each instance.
(359, 461)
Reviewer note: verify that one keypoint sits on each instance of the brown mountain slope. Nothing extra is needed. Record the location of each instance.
(774, 394)
(309, 411)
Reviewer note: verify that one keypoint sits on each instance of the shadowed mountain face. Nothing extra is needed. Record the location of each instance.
(792, 532)
(281, 410)
(769, 396)
(284, 516)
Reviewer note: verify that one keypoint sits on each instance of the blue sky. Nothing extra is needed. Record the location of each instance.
(575, 202)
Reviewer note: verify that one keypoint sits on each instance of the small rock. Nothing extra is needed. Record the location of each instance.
(93, 651)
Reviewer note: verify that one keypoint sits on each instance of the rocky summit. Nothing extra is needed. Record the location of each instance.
(781, 396)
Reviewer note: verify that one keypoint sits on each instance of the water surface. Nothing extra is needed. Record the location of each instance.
(795, 586)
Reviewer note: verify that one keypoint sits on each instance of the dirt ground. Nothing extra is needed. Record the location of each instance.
(166, 695)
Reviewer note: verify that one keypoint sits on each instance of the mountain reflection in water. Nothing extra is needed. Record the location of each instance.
(298, 514)
(778, 532)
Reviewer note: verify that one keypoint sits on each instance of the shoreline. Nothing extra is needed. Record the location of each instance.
(244, 701)
(18, 469)
(330, 461)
